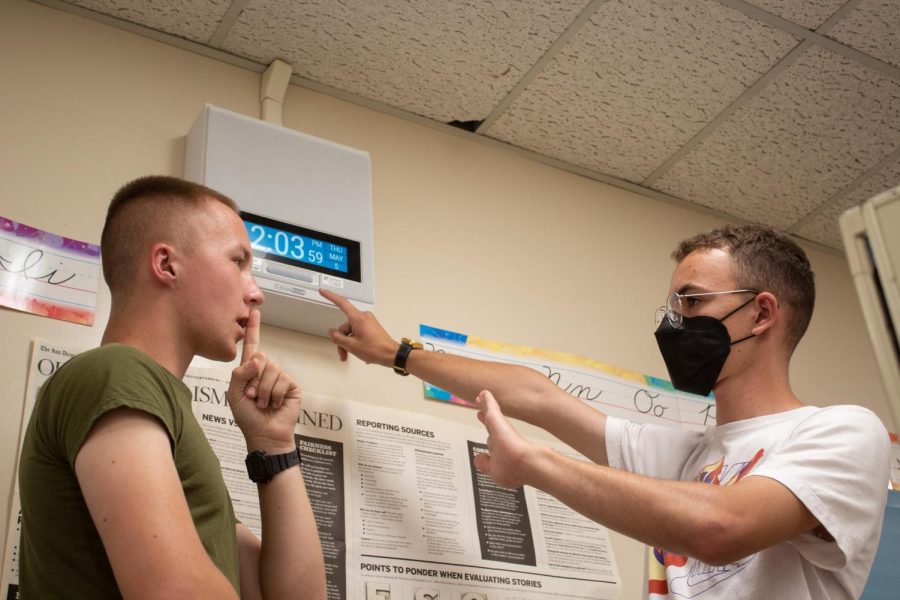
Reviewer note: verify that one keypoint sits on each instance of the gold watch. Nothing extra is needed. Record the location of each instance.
(406, 346)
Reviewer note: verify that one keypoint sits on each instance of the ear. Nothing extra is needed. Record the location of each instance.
(163, 264)
(768, 312)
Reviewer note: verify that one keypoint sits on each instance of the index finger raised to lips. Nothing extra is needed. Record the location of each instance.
(251, 336)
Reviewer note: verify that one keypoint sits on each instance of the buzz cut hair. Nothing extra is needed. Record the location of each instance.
(143, 212)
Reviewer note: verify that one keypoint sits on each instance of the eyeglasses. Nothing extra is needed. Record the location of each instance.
(674, 308)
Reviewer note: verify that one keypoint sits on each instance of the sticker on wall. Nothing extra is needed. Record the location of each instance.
(48, 275)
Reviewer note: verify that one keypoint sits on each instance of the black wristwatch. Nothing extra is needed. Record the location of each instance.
(406, 346)
(262, 467)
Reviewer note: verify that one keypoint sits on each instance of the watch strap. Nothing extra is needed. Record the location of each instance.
(282, 462)
(406, 346)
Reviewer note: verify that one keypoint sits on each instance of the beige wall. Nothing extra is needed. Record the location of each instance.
(468, 236)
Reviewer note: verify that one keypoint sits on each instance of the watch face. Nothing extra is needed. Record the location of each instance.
(412, 343)
(262, 467)
(256, 467)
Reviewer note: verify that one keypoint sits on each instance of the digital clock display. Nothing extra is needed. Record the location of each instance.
(302, 247)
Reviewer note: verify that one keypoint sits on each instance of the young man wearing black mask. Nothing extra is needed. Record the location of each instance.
(798, 492)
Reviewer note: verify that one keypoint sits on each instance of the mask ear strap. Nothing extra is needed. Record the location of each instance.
(739, 308)
(743, 339)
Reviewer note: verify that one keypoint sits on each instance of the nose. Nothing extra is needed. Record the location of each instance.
(254, 296)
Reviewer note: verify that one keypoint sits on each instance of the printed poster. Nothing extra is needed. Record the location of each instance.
(403, 514)
(47, 274)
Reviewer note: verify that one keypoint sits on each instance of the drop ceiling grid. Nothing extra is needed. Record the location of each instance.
(446, 61)
(638, 81)
(194, 20)
(809, 13)
(814, 129)
(872, 27)
(824, 227)
(457, 53)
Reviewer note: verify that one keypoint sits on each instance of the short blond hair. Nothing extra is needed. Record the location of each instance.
(766, 260)
(146, 211)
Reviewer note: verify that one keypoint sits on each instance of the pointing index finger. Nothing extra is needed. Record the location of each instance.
(342, 303)
(251, 336)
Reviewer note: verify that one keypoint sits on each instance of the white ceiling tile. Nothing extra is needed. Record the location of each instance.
(872, 27)
(194, 20)
(824, 228)
(638, 81)
(447, 61)
(814, 129)
(809, 13)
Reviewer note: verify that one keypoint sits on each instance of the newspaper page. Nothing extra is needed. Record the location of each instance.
(402, 512)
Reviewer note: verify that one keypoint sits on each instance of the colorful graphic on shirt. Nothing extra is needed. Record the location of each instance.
(716, 473)
(675, 575)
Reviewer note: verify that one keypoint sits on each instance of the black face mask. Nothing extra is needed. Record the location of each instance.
(696, 352)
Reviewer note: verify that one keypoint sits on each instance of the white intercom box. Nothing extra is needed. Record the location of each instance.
(307, 206)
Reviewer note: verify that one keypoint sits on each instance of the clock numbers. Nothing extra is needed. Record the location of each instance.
(260, 234)
(297, 247)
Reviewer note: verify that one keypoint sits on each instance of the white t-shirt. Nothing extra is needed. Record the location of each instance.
(836, 460)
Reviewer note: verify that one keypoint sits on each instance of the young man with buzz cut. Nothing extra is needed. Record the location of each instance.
(122, 495)
(777, 500)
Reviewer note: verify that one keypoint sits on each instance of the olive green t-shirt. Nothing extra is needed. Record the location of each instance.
(62, 555)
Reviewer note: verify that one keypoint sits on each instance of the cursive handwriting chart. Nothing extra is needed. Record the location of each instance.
(615, 391)
(47, 274)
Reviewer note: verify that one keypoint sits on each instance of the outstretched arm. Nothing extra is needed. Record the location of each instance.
(522, 392)
(715, 524)
(266, 401)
